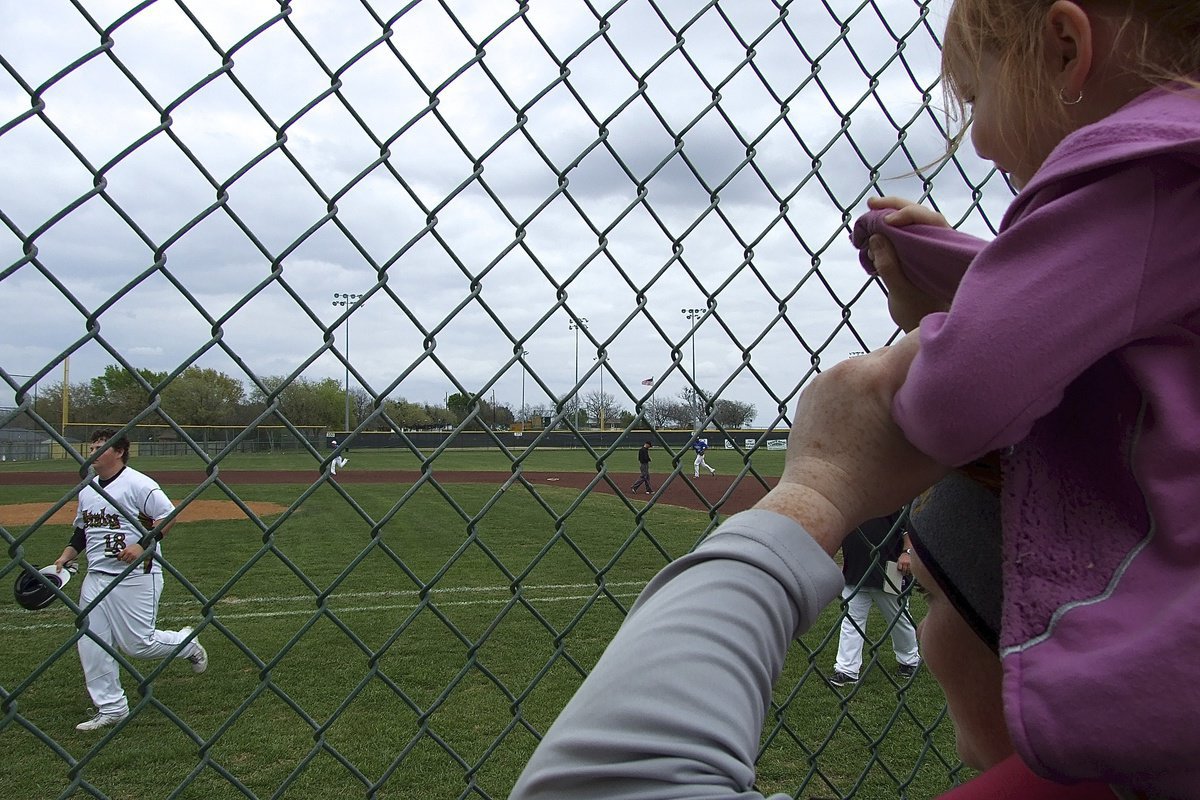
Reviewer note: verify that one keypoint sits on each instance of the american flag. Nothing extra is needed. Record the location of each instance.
(648, 382)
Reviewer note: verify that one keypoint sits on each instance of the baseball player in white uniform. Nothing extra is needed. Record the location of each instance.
(701, 446)
(339, 461)
(125, 617)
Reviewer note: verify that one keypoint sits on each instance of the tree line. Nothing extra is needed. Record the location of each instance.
(201, 396)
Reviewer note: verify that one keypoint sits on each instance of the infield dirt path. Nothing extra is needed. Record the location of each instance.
(698, 493)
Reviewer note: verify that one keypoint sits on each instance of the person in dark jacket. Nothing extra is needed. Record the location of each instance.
(865, 556)
(644, 468)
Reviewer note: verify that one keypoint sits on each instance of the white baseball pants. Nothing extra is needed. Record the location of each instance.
(125, 620)
(854, 624)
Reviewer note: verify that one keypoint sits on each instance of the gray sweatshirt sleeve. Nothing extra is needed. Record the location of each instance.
(675, 706)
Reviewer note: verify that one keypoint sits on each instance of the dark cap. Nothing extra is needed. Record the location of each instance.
(955, 529)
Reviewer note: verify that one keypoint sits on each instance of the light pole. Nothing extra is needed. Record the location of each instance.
(575, 326)
(523, 417)
(346, 299)
(603, 401)
(692, 315)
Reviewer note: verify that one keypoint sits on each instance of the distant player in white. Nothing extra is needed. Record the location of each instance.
(340, 461)
(125, 618)
(700, 447)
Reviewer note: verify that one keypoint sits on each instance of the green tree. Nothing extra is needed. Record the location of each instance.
(313, 405)
(119, 395)
(408, 415)
(80, 404)
(201, 396)
(440, 415)
(459, 405)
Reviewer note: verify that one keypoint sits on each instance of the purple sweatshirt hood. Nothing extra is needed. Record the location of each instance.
(1163, 121)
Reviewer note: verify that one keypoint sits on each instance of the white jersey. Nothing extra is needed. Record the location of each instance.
(109, 529)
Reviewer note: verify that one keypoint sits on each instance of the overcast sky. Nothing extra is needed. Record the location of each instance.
(480, 175)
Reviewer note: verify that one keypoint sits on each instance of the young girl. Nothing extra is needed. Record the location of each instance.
(675, 707)
(1072, 346)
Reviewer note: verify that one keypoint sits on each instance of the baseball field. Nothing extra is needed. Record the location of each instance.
(406, 631)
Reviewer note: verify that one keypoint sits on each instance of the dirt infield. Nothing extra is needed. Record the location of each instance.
(703, 493)
(196, 511)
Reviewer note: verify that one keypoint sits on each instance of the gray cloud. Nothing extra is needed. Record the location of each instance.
(521, 270)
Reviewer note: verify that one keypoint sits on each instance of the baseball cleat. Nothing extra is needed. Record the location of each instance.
(199, 658)
(101, 720)
(842, 679)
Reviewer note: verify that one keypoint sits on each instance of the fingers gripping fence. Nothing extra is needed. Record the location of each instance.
(476, 182)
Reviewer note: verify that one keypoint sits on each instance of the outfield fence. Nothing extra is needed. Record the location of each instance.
(196, 163)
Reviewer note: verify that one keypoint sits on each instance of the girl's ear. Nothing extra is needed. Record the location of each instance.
(1068, 40)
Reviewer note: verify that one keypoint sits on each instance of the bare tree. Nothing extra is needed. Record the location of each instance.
(596, 403)
(537, 410)
(733, 414)
(362, 404)
(666, 413)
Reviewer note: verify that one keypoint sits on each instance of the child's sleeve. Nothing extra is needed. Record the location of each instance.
(932, 257)
(1074, 277)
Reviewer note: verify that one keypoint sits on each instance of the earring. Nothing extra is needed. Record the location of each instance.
(1067, 102)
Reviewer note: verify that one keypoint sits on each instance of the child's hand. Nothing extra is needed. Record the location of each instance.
(907, 304)
(906, 212)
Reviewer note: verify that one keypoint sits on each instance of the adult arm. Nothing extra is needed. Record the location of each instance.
(675, 706)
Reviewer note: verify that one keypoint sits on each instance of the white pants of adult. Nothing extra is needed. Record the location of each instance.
(340, 461)
(700, 462)
(125, 620)
(850, 643)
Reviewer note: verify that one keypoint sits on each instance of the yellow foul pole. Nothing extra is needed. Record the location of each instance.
(66, 392)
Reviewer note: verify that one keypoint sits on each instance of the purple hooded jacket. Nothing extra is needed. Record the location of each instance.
(1073, 341)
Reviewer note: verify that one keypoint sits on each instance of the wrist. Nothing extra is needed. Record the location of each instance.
(811, 510)
(149, 539)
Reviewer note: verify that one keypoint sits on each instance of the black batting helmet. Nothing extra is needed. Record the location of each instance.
(32, 593)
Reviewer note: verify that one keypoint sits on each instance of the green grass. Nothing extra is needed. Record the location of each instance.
(726, 462)
(406, 655)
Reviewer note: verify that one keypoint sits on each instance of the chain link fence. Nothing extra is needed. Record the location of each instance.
(496, 182)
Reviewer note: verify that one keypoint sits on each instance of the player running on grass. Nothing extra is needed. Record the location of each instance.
(701, 447)
(338, 461)
(125, 617)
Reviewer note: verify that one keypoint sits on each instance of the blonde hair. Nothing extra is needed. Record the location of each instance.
(1161, 37)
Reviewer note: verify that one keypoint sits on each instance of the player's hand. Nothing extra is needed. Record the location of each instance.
(847, 460)
(64, 562)
(904, 564)
(131, 553)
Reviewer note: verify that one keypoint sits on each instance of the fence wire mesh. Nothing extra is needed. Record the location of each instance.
(482, 185)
